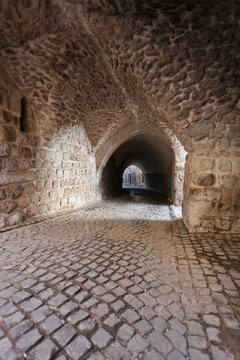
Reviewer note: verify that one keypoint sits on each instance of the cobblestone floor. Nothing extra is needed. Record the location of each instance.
(118, 281)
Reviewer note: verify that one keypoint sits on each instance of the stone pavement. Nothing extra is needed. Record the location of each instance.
(118, 281)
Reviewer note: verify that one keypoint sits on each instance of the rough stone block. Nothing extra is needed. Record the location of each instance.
(3, 194)
(7, 133)
(15, 218)
(200, 208)
(222, 224)
(212, 194)
(225, 165)
(24, 202)
(8, 206)
(236, 226)
(4, 148)
(2, 221)
(204, 179)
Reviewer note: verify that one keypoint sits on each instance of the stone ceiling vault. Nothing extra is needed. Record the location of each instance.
(110, 63)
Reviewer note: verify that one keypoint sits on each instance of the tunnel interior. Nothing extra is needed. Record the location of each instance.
(152, 155)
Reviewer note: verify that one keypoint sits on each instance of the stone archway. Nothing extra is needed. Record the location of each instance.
(161, 158)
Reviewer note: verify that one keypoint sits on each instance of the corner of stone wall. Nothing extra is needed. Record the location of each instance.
(212, 191)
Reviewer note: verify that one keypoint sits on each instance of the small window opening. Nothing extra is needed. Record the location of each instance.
(23, 116)
(132, 177)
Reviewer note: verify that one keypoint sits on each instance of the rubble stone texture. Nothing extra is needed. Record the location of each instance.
(114, 281)
(79, 78)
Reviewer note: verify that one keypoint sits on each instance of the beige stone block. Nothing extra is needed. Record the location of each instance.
(71, 182)
(66, 173)
(47, 184)
(10, 164)
(24, 165)
(64, 202)
(3, 194)
(196, 194)
(27, 153)
(236, 226)
(212, 194)
(236, 196)
(7, 133)
(208, 224)
(17, 217)
(225, 165)
(222, 224)
(42, 208)
(4, 148)
(67, 192)
(74, 140)
(14, 191)
(64, 165)
(53, 205)
(72, 173)
(7, 206)
(45, 154)
(224, 209)
(41, 173)
(2, 221)
(230, 181)
(29, 189)
(194, 220)
(59, 173)
(200, 207)
(47, 164)
(56, 164)
(202, 165)
(51, 173)
(236, 166)
(227, 195)
(35, 198)
(66, 156)
(39, 185)
(24, 201)
(44, 196)
(58, 155)
(32, 211)
(59, 193)
(55, 184)
(204, 179)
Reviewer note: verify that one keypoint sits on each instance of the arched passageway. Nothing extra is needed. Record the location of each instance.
(133, 176)
(156, 159)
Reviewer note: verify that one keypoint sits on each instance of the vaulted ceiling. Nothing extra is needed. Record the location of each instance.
(109, 63)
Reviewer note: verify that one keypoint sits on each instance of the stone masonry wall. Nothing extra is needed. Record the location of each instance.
(212, 191)
(40, 177)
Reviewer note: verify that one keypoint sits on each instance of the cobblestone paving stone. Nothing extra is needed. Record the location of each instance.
(118, 281)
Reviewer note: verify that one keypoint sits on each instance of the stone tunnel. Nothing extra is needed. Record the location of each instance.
(79, 77)
(88, 88)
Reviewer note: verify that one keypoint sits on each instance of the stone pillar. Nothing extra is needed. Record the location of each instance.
(211, 191)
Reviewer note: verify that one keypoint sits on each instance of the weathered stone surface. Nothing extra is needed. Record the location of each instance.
(4, 148)
(225, 165)
(204, 179)
(8, 206)
(15, 218)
